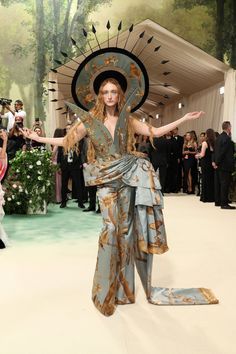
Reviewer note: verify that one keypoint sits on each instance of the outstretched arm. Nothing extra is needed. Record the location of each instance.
(3, 154)
(80, 132)
(144, 129)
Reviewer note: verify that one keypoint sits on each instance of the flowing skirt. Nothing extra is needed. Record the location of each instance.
(133, 230)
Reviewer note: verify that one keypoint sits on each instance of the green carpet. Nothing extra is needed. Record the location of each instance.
(70, 224)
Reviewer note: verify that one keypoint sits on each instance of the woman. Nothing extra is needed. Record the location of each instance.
(130, 199)
(3, 167)
(59, 133)
(37, 144)
(207, 190)
(16, 140)
(189, 163)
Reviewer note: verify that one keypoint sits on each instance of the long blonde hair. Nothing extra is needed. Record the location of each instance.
(99, 112)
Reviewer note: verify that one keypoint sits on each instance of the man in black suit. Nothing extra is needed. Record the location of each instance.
(71, 167)
(223, 162)
(179, 142)
(158, 157)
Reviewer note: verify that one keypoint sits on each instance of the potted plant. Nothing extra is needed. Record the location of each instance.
(29, 186)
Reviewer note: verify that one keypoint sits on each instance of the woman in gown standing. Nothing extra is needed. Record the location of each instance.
(130, 199)
(189, 163)
(207, 190)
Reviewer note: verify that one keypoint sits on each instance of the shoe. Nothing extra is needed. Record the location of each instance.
(98, 211)
(89, 209)
(63, 205)
(81, 206)
(2, 245)
(190, 192)
(228, 207)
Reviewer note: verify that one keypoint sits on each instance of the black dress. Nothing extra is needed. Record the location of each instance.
(207, 192)
(189, 164)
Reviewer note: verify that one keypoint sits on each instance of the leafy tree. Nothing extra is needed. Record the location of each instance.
(52, 25)
(224, 14)
(194, 25)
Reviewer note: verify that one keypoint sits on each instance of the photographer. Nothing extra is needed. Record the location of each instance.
(11, 114)
(16, 140)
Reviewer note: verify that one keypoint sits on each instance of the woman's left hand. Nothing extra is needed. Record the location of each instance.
(193, 115)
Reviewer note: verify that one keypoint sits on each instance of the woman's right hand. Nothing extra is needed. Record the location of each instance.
(29, 134)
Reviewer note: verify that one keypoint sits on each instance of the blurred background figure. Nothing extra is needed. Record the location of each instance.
(207, 170)
(58, 133)
(10, 114)
(189, 163)
(3, 168)
(37, 144)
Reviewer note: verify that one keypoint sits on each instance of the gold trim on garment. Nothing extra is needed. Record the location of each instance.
(209, 296)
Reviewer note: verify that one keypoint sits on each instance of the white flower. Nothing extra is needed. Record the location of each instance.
(39, 172)
(17, 170)
(30, 201)
(39, 178)
(30, 166)
(13, 197)
(26, 192)
(18, 203)
(38, 163)
(9, 199)
(14, 186)
(20, 190)
(28, 176)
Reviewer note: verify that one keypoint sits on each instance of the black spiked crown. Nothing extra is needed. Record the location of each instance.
(110, 62)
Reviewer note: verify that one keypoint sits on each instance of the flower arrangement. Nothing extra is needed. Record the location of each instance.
(30, 181)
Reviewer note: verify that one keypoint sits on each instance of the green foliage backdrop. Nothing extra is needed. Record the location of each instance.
(33, 32)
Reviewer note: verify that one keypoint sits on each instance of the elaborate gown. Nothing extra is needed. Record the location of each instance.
(133, 226)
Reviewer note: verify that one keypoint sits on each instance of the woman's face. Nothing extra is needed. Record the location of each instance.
(38, 132)
(110, 94)
(188, 136)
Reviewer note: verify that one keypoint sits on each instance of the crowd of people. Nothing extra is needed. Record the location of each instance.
(194, 165)
(69, 180)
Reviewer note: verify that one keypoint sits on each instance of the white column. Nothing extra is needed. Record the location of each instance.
(230, 100)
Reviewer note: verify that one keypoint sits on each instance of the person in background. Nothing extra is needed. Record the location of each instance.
(178, 180)
(71, 167)
(159, 157)
(207, 170)
(92, 190)
(3, 168)
(16, 140)
(144, 145)
(172, 164)
(37, 144)
(58, 133)
(189, 152)
(202, 137)
(223, 163)
(11, 114)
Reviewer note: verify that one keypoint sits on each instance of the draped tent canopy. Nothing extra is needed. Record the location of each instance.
(178, 72)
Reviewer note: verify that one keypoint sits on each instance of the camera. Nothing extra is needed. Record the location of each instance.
(5, 101)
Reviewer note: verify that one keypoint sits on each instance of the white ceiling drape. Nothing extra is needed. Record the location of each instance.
(209, 100)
